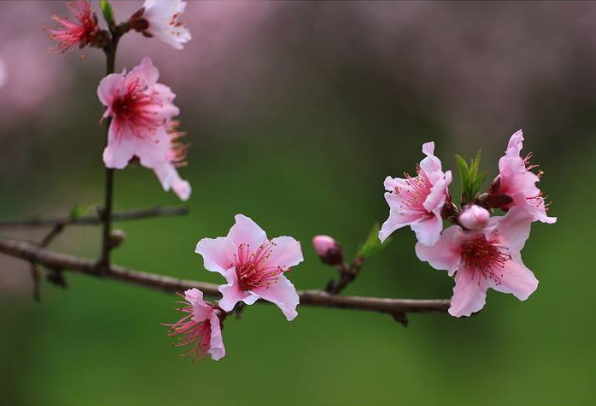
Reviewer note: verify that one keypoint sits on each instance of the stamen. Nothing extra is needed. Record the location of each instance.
(485, 257)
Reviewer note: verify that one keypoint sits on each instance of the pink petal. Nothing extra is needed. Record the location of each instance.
(216, 345)
(445, 254)
(428, 148)
(218, 254)
(156, 151)
(517, 279)
(438, 193)
(232, 294)
(286, 253)
(170, 179)
(109, 88)
(469, 293)
(514, 228)
(428, 230)
(516, 143)
(283, 294)
(146, 72)
(119, 151)
(246, 231)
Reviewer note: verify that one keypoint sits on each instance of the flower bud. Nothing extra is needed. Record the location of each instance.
(117, 237)
(474, 217)
(328, 249)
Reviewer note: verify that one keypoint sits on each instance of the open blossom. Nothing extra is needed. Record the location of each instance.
(253, 266)
(417, 202)
(488, 258)
(199, 328)
(142, 111)
(85, 31)
(517, 182)
(159, 19)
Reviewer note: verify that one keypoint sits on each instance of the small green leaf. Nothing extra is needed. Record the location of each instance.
(372, 245)
(108, 12)
(471, 177)
(80, 210)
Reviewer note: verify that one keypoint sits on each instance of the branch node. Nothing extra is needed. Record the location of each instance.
(401, 318)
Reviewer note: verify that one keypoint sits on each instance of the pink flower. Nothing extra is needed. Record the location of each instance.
(75, 34)
(160, 20)
(253, 266)
(517, 182)
(484, 259)
(328, 249)
(142, 126)
(417, 202)
(473, 217)
(200, 327)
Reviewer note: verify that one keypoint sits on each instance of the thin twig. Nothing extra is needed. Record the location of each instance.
(54, 260)
(91, 220)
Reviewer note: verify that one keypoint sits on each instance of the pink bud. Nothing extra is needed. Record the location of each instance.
(328, 249)
(474, 217)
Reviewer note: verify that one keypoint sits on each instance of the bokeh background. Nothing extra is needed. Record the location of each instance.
(296, 112)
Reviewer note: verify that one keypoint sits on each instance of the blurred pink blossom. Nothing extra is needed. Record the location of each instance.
(160, 19)
(142, 110)
(80, 34)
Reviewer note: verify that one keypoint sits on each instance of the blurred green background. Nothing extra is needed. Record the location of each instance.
(296, 112)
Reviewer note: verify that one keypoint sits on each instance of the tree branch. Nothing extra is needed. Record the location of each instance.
(136, 214)
(55, 260)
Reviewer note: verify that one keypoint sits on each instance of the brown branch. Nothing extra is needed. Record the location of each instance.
(92, 220)
(54, 260)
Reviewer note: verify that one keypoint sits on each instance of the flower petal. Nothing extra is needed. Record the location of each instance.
(232, 294)
(469, 293)
(218, 254)
(283, 294)
(286, 253)
(428, 230)
(119, 151)
(445, 254)
(514, 228)
(170, 179)
(517, 279)
(246, 231)
(216, 345)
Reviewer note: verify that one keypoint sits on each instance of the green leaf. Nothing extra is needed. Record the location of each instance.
(108, 12)
(80, 210)
(471, 177)
(372, 245)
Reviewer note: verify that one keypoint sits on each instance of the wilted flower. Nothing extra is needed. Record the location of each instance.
(142, 126)
(417, 202)
(253, 266)
(489, 258)
(200, 327)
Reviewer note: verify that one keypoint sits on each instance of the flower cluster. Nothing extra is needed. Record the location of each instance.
(254, 268)
(141, 109)
(480, 251)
